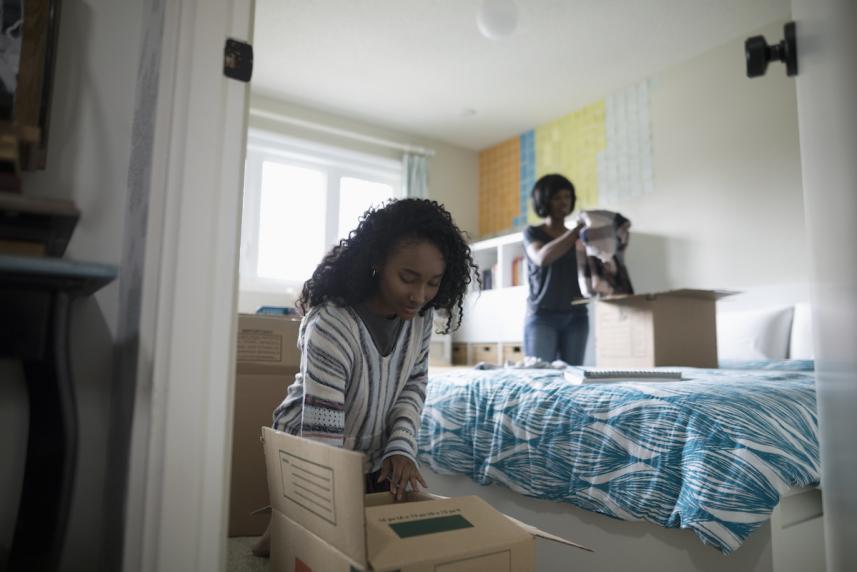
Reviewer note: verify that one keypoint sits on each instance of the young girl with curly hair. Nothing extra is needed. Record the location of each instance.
(365, 335)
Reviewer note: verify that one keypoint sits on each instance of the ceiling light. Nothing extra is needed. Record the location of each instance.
(497, 18)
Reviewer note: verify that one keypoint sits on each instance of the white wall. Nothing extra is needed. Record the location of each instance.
(727, 205)
(88, 156)
(453, 171)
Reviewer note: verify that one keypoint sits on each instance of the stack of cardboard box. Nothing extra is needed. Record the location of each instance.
(267, 360)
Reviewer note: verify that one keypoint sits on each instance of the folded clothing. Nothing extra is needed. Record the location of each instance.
(601, 269)
(529, 362)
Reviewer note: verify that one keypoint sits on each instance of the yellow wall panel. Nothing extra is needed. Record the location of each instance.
(570, 146)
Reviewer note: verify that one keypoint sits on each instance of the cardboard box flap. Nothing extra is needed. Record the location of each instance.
(697, 293)
(319, 487)
(400, 534)
(532, 530)
(685, 292)
(304, 551)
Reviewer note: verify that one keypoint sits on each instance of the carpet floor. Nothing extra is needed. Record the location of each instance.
(240, 557)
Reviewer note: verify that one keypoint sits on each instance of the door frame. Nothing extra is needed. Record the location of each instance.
(826, 89)
(178, 478)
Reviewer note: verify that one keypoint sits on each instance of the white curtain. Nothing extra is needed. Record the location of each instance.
(415, 175)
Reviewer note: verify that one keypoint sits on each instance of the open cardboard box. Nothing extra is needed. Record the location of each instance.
(322, 521)
(671, 328)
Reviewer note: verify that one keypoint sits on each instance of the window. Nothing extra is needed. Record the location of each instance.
(300, 199)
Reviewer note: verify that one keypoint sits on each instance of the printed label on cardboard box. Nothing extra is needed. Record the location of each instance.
(259, 346)
(433, 525)
(308, 485)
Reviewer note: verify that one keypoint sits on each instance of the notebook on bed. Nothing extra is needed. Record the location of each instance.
(605, 375)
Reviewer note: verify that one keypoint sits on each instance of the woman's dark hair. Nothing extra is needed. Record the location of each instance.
(345, 274)
(545, 188)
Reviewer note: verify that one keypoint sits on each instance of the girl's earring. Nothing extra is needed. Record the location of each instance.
(374, 272)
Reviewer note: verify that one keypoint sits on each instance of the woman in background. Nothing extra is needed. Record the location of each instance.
(554, 328)
(365, 335)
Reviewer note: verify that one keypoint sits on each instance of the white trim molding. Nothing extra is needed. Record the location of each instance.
(348, 134)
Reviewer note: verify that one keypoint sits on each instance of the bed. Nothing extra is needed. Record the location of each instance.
(730, 455)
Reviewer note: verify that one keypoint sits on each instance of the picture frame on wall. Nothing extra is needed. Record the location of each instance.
(36, 78)
(28, 47)
(11, 30)
(29, 226)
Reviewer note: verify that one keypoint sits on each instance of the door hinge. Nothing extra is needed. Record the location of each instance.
(238, 60)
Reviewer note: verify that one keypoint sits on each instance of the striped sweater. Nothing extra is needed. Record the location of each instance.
(348, 395)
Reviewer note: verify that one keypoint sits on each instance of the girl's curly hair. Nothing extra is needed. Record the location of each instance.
(345, 275)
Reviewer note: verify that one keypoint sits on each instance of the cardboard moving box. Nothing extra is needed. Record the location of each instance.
(322, 521)
(672, 328)
(267, 360)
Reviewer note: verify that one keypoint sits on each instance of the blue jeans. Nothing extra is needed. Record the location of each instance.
(551, 335)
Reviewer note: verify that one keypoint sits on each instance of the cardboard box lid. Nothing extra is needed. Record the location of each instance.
(407, 533)
(682, 292)
(318, 486)
(267, 344)
(399, 534)
(532, 530)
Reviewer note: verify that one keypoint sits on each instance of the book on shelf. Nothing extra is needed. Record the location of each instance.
(517, 265)
(580, 375)
(487, 279)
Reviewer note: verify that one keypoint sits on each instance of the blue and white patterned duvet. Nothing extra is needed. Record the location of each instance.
(712, 453)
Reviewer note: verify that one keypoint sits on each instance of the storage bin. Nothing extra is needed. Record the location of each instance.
(513, 352)
(459, 354)
(482, 352)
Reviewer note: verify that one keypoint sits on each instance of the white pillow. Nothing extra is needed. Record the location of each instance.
(754, 334)
(800, 345)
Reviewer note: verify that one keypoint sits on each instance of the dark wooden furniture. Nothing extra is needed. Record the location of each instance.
(35, 300)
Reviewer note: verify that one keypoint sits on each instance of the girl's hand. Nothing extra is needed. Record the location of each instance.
(575, 233)
(401, 471)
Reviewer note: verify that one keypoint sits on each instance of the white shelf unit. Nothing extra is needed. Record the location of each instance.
(499, 253)
(495, 316)
(477, 326)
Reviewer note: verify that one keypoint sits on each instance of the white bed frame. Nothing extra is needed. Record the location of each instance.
(792, 541)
